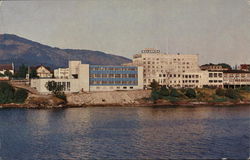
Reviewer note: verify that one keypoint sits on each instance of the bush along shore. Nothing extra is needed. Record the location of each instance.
(11, 97)
(9, 94)
(192, 96)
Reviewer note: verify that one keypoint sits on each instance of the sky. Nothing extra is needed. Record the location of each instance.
(217, 30)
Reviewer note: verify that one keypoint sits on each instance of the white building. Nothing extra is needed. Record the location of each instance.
(236, 78)
(62, 73)
(166, 69)
(175, 70)
(85, 78)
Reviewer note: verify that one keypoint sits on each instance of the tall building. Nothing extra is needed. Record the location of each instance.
(164, 67)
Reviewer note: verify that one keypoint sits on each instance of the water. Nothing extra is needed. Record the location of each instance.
(130, 133)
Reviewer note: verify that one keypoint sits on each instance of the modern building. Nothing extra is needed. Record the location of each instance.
(166, 69)
(43, 72)
(85, 78)
(62, 73)
(163, 67)
(213, 79)
(236, 78)
(177, 70)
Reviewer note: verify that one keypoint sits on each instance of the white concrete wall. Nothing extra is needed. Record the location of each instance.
(40, 85)
(74, 67)
(83, 77)
(140, 78)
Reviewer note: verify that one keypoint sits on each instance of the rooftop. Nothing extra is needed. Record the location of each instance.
(6, 67)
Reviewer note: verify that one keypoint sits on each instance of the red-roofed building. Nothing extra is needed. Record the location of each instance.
(6, 67)
(245, 67)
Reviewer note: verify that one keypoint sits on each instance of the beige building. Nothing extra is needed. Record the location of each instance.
(164, 68)
(236, 78)
(43, 72)
(62, 73)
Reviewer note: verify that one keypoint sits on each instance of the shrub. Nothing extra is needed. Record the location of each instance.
(233, 94)
(245, 88)
(20, 95)
(171, 99)
(164, 91)
(155, 96)
(6, 93)
(62, 96)
(175, 93)
(154, 85)
(220, 92)
(56, 89)
(190, 93)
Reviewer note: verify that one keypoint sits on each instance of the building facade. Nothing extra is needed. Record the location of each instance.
(85, 78)
(43, 72)
(62, 73)
(166, 69)
(236, 78)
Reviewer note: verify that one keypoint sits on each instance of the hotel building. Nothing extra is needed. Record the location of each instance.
(175, 70)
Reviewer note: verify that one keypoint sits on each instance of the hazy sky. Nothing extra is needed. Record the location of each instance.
(218, 30)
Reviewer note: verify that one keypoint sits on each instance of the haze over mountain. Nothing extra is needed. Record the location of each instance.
(23, 51)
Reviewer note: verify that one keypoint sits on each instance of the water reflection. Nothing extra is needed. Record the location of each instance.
(116, 132)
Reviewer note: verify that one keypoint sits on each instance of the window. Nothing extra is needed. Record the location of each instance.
(124, 76)
(117, 76)
(132, 75)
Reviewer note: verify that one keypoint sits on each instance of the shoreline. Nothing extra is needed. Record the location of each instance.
(176, 104)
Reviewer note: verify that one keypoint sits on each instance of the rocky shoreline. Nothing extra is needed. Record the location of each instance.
(160, 104)
(107, 99)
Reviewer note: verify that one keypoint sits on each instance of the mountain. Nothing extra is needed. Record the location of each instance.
(23, 51)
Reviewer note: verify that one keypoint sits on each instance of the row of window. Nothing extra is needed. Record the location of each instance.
(215, 81)
(113, 82)
(168, 59)
(237, 75)
(112, 87)
(215, 75)
(113, 75)
(165, 62)
(147, 67)
(113, 69)
(65, 85)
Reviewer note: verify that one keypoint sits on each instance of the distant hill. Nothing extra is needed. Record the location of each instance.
(23, 51)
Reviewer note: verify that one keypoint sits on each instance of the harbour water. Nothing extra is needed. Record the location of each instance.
(125, 132)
